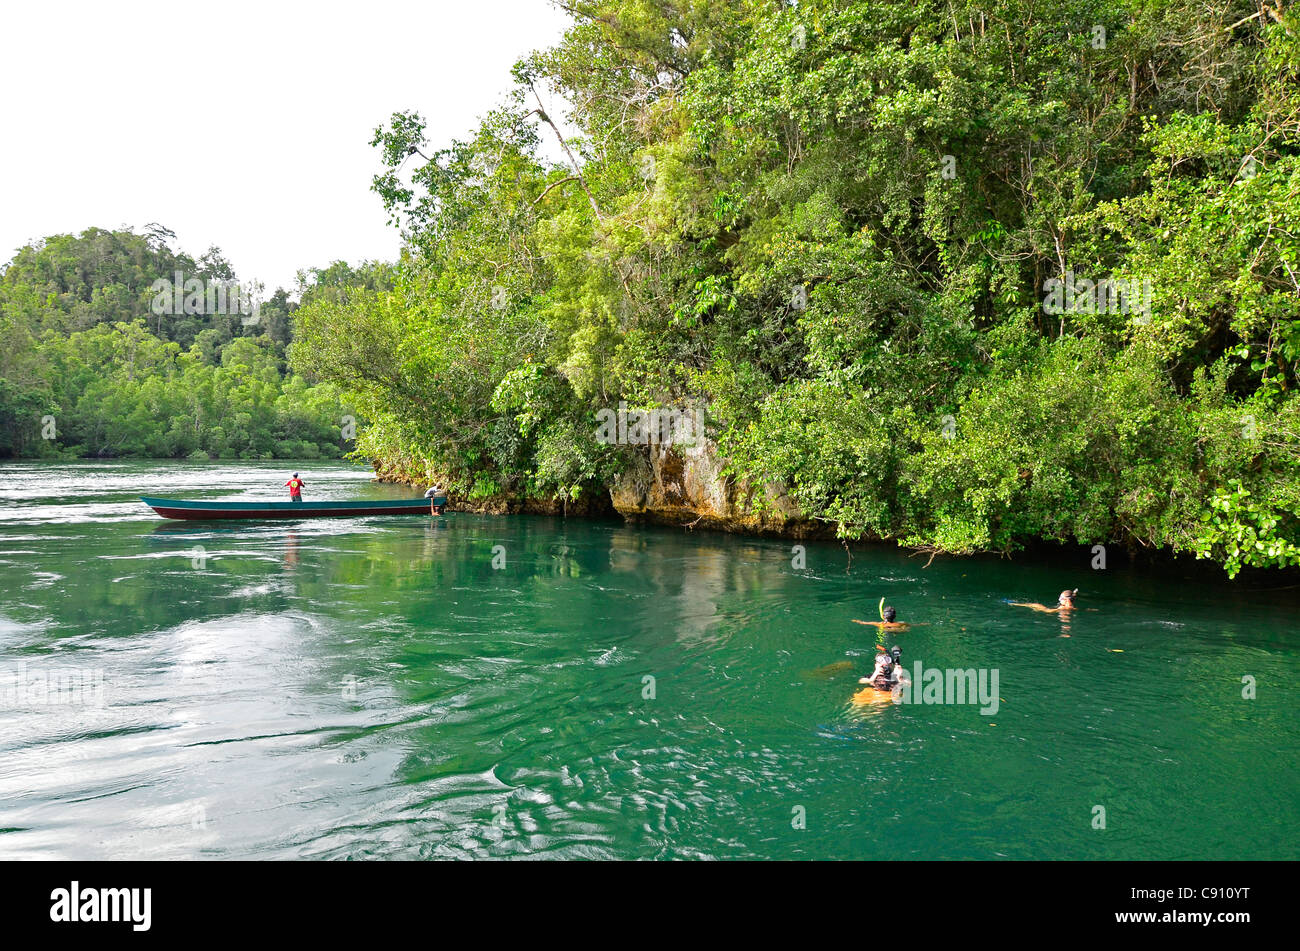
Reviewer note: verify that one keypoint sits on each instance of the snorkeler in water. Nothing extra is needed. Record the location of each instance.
(889, 671)
(888, 619)
(1064, 603)
(880, 676)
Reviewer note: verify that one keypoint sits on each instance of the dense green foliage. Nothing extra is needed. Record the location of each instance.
(89, 367)
(836, 226)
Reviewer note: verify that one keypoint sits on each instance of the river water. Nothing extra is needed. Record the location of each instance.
(479, 686)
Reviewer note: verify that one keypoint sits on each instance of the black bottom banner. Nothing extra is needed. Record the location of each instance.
(364, 900)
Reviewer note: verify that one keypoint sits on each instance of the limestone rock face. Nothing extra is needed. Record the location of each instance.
(668, 484)
(684, 485)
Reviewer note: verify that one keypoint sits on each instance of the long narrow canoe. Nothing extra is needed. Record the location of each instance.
(179, 508)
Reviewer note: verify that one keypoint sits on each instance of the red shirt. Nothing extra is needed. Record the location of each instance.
(295, 486)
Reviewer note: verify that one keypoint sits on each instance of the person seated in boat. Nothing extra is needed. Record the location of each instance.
(295, 488)
(437, 499)
(889, 671)
(1064, 603)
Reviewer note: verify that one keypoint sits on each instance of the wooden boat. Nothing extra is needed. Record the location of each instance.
(180, 508)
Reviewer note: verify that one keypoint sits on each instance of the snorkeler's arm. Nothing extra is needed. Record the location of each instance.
(1033, 604)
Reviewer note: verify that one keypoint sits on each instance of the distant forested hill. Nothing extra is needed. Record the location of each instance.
(97, 360)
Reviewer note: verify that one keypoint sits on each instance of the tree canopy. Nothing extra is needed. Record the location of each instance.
(956, 274)
(90, 367)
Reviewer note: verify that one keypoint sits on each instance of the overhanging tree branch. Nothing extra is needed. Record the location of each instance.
(538, 200)
(577, 169)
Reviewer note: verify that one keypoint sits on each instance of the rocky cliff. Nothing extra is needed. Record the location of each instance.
(680, 485)
(685, 485)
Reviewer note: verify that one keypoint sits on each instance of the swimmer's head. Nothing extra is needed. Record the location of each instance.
(888, 614)
(1067, 597)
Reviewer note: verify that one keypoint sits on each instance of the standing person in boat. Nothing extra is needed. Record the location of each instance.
(295, 488)
(437, 499)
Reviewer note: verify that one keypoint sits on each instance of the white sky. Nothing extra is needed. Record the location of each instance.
(240, 124)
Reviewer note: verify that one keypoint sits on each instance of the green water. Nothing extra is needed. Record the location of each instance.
(377, 688)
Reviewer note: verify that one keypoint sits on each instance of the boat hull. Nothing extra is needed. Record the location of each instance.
(184, 509)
